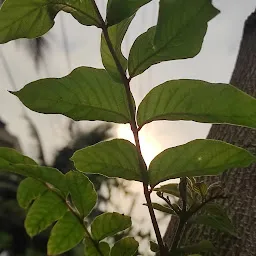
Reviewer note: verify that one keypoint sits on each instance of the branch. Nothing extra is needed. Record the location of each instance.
(76, 214)
(135, 131)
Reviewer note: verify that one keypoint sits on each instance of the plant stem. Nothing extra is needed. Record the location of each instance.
(178, 234)
(182, 215)
(191, 213)
(169, 203)
(79, 219)
(185, 216)
(134, 128)
(183, 193)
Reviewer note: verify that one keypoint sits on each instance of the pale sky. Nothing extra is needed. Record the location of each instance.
(214, 64)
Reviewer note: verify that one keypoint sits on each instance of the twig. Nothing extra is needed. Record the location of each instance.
(134, 128)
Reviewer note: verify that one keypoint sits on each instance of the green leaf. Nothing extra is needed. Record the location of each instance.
(82, 192)
(198, 101)
(65, 235)
(48, 208)
(115, 158)
(171, 189)
(203, 246)
(197, 158)
(119, 10)
(91, 250)
(29, 189)
(9, 157)
(214, 215)
(154, 246)
(85, 94)
(104, 248)
(33, 18)
(127, 246)
(109, 224)
(116, 36)
(5, 240)
(162, 208)
(179, 34)
(218, 222)
(200, 188)
(214, 209)
(12, 161)
(44, 174)
(216, 188)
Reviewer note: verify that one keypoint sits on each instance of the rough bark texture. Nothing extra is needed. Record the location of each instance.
(241, 183)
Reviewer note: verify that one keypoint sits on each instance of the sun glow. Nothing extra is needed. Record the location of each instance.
(149, 147)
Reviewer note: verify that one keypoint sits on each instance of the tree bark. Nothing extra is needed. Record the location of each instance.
(240, 183)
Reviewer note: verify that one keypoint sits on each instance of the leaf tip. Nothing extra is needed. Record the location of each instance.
(12, 92)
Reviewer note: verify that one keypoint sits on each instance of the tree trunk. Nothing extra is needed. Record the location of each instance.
(240, 183)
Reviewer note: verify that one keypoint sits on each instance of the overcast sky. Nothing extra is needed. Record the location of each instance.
(214, 64)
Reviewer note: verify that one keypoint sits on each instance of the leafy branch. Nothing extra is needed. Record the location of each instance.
(105, 94)
(134, 128)
(77, 216)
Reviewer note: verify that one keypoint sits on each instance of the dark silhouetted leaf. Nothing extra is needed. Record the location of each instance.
(203, 246)
(154, 246)
(163, 208)
(171, 189)
(119, 10)
(218, 222)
